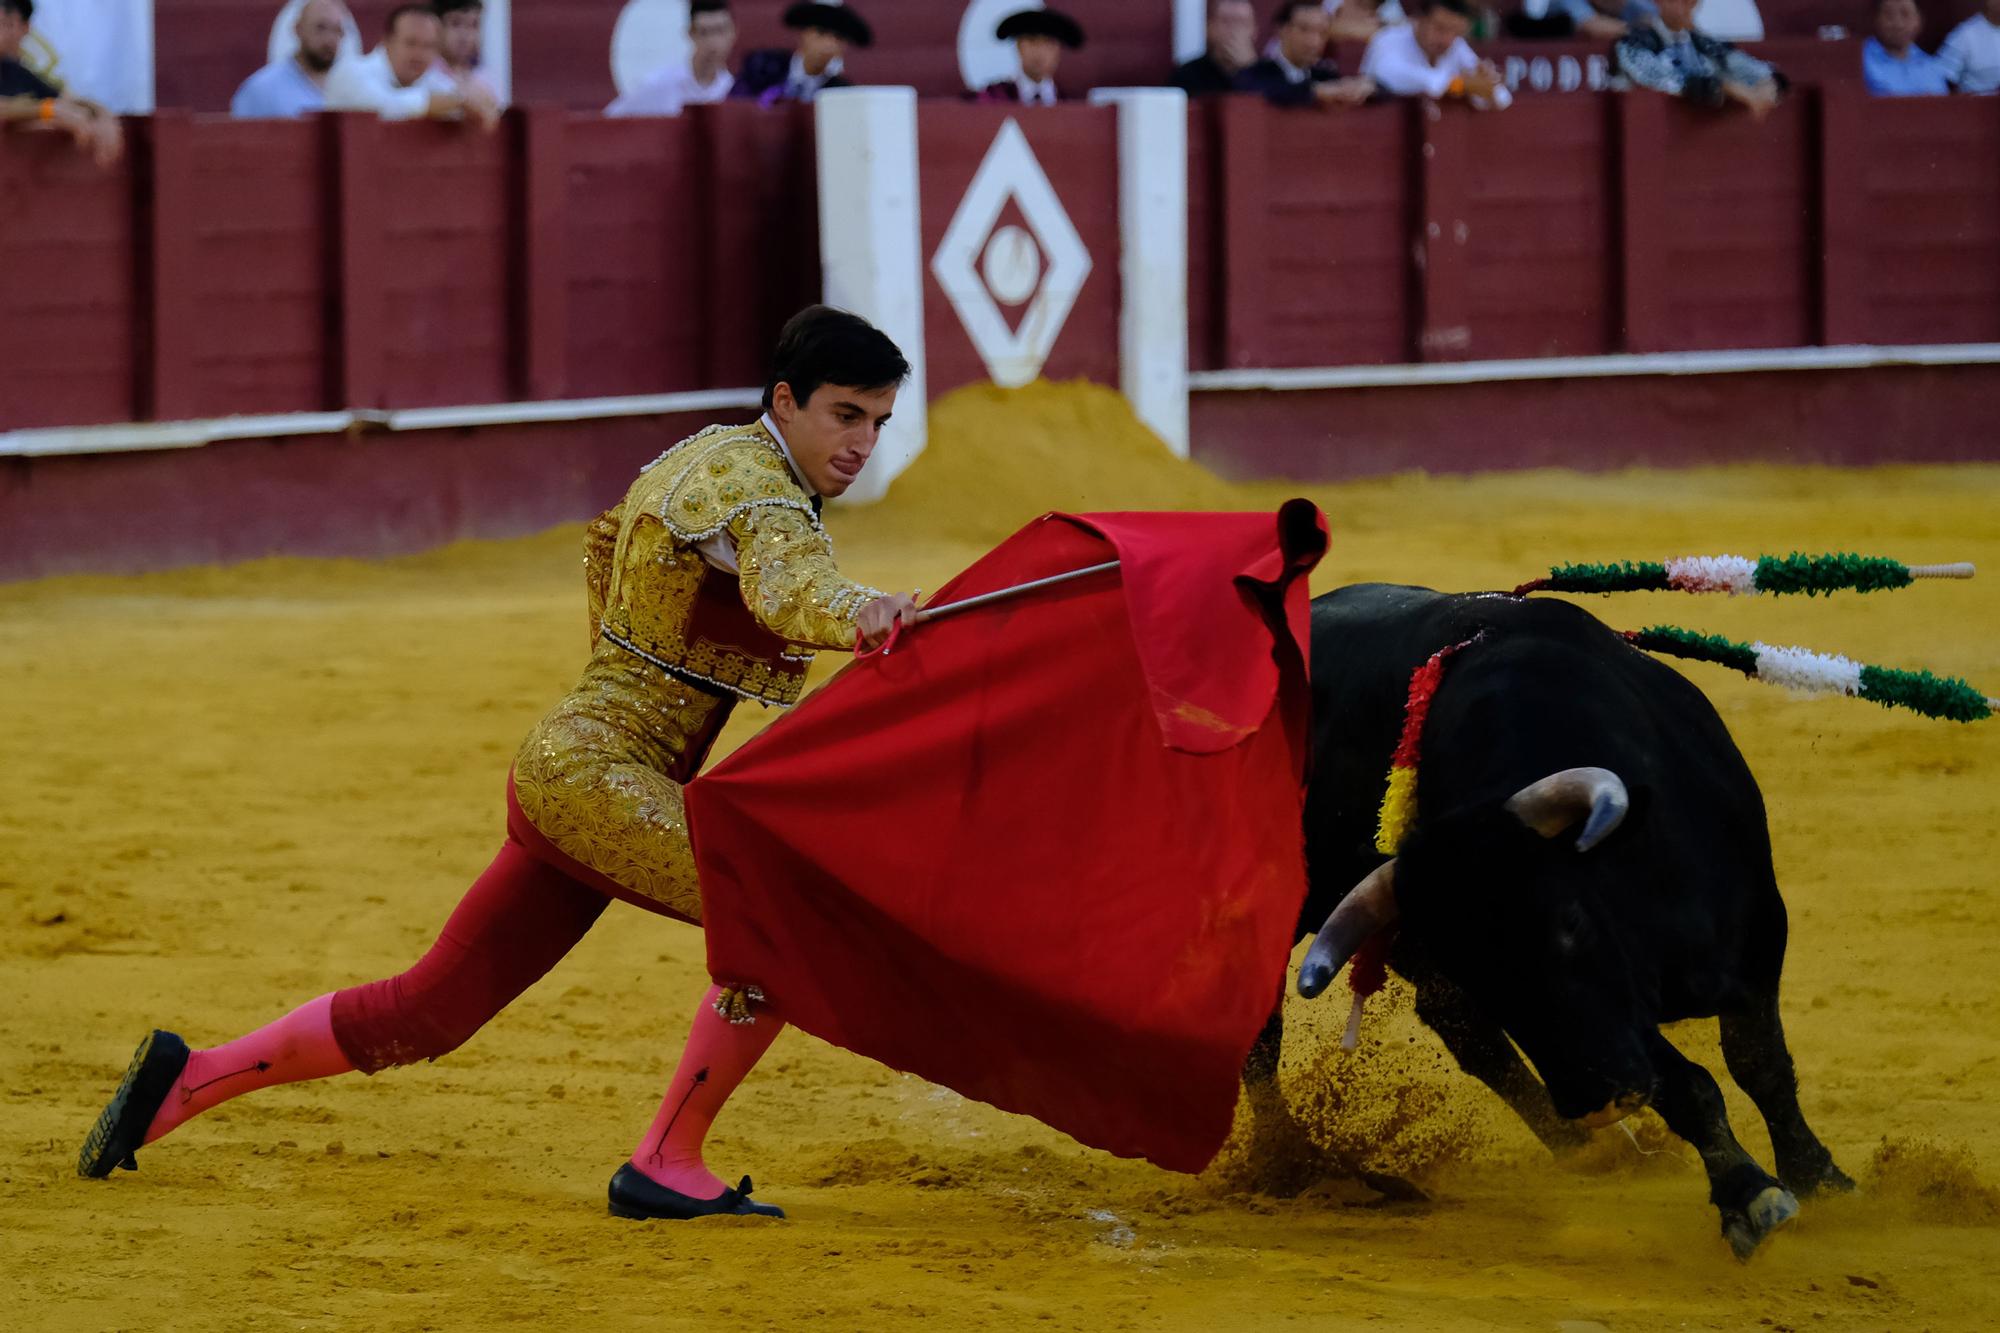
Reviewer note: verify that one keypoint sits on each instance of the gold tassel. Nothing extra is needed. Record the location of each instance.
(733, 1004)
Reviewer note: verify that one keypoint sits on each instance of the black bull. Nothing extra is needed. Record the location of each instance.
(1576, 916)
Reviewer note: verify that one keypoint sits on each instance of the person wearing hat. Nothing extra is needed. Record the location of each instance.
(1297, 73)
(825, 32)
(1039, 36)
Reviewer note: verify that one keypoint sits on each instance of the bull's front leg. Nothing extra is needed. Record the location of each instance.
(1279, 1158)
(1482, 1050)
(1753, 1204)
(1753, 1043)
(1275, 1136)
(1260, 1067)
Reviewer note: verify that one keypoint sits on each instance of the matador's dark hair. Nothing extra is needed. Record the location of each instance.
(822, 345)
(25, 8)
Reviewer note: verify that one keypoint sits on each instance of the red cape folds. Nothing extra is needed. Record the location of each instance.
(1048, 852)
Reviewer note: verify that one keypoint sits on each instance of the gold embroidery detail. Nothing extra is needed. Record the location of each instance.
(593, 775)
(790, 582)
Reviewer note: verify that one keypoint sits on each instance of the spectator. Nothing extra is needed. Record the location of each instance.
(1040, 37)
(1431, 58)
(1360, 20)
(1892, 62)
(458, 47)
(825, 32)
(296, 86)
(1297, 72)
(29, 99)
(1604, 20)
(705, 77)
(1730, 20)
(396, 81)
(1971, 55)
(1232, 48)
(1669, 56)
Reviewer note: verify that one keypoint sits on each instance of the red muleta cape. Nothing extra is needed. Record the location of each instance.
(1047, 853)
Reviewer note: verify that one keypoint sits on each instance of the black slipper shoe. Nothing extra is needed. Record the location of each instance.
(637, 1196)
(126, 1117)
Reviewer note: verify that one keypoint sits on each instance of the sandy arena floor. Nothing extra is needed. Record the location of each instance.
(225, 791)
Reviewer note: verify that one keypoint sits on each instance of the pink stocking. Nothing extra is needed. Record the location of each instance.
(718, 1054)
(298, 1046)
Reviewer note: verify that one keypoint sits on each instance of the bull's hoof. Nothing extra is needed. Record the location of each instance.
(1826, 1179)
(1770, 1212)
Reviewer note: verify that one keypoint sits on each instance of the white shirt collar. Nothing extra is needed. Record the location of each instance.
(772, 426)
(797, 77)
(1036, 94)
(1292, 73)
(380, 57)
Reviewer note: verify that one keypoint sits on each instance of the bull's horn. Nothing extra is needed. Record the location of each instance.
(1595, 795)
(1369, 906)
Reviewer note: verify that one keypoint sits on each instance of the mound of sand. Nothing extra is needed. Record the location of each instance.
(1000, 457)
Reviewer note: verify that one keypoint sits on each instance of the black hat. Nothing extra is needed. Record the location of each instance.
(1041, 23)
(839, 20)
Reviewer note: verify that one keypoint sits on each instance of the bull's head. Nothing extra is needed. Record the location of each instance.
(1513, 911)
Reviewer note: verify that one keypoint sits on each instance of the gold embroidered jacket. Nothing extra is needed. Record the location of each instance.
(674, 642)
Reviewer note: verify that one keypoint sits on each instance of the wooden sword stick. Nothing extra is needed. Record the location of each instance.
(1002, 594)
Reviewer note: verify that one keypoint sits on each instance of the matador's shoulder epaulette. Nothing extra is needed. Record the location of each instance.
(715, 476)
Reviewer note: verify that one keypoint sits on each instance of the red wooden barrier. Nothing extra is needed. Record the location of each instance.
(70, 301)
(1316, 235)
(1204, 234)
(1923, 187)
(1077, 148)
(1541, 264)
(758, 188)
(635, 277)
(271, 267)
(1739, 243)
(443, 210)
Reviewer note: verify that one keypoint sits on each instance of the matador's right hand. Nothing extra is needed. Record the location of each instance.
(882, 615)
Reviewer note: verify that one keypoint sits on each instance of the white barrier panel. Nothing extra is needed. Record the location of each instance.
(871, 247)
(1153, 257)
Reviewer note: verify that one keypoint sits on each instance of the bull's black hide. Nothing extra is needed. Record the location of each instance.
(1507, 933)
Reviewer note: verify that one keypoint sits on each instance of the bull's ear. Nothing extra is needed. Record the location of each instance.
(1596, 796)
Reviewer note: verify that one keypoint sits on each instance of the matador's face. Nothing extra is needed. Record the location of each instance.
(832, 433)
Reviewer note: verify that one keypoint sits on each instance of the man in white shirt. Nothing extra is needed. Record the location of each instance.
(704, 78)
(1971, 55)
(1431, 58)
(296, 86)
(396, 80)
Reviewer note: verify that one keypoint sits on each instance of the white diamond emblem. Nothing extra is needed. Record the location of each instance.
(1013, 357)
